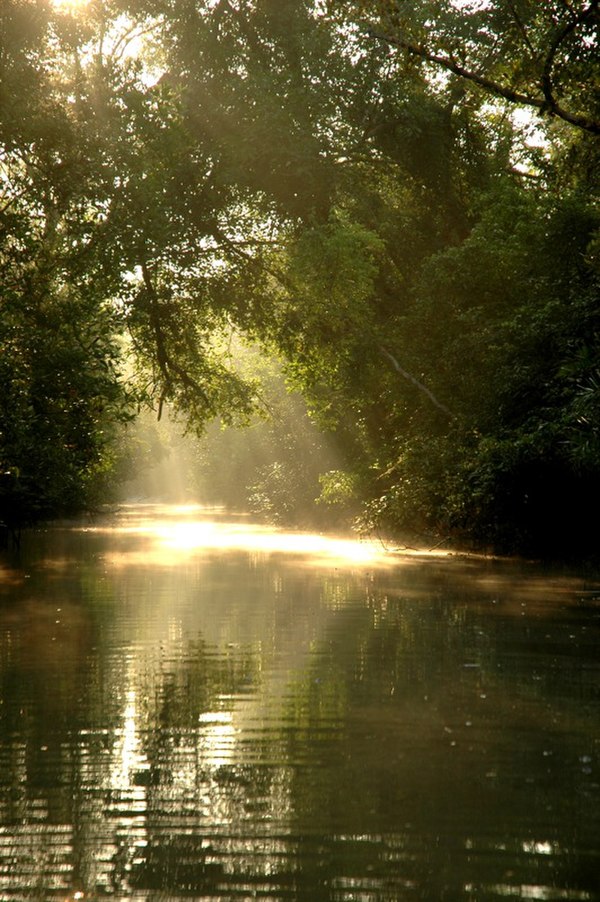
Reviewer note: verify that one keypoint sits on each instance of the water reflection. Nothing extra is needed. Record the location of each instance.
(200, 708)
(173, 531)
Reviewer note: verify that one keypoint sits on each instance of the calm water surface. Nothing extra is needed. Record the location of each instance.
(199, 708)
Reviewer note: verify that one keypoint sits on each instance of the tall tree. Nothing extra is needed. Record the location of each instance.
(62, 380)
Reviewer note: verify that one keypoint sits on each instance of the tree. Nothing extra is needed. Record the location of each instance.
(61, 370)
(99, 196)
(347, 186)
(542, 56)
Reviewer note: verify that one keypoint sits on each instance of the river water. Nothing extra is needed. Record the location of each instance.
(196, 707)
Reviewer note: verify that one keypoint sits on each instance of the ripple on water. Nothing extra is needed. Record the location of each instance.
(210, 709)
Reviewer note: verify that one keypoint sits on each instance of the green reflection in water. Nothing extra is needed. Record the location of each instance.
(206, 721)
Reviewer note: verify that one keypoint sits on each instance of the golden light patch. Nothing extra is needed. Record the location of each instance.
(76, 7)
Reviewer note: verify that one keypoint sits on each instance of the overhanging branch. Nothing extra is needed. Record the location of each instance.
(166, 364)
(546, 104)
(557, 40)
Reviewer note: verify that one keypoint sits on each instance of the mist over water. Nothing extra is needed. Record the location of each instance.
(193, 705)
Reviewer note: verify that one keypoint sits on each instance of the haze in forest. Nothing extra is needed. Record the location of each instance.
(350, 249)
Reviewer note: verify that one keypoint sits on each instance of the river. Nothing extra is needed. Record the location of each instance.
(193, 706)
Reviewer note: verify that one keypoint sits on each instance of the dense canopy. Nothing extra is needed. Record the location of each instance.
(395, 199)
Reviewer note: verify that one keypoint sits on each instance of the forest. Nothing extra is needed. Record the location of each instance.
(357, 237)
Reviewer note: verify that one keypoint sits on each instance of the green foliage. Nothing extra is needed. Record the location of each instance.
(348, 186)
(542, 56)
(320, 318)
(511, 329)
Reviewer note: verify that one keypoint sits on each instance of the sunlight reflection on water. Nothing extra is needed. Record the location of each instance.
(196, 706)
(174, 531)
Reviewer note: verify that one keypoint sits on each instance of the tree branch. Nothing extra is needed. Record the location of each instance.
(422, 388)
(166, 364)
(551, 107)
(558, 39)
(236, 248)
(522, 30)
